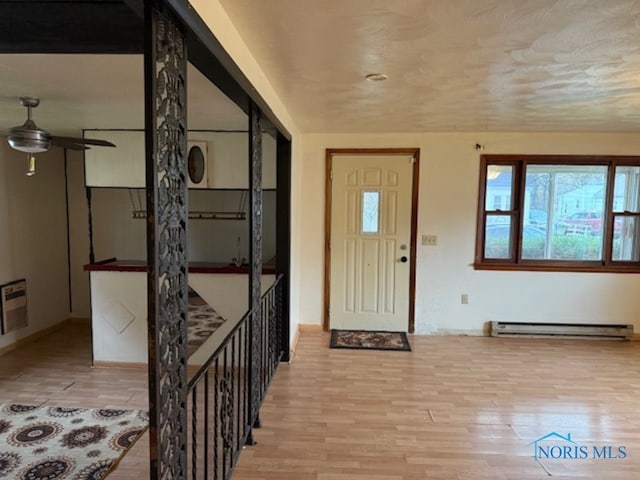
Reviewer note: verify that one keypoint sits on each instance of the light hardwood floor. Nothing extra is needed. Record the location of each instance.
(55, 370)
(455, 408)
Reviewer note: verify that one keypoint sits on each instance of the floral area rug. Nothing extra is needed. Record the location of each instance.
(369, 340)
(55, 443)
(203, 321)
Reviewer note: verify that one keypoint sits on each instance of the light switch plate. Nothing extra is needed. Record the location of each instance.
(430, 240)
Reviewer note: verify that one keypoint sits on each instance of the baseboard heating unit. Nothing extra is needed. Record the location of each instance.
(519, 329)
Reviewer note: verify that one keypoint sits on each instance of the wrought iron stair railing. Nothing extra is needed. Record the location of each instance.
(220, 404)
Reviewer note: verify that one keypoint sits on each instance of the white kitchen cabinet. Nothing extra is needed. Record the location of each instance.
(228, 154)
(226, 160)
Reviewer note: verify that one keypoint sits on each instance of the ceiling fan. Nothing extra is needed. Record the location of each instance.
(31, 139)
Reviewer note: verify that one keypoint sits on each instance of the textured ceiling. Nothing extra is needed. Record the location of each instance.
(495, 65)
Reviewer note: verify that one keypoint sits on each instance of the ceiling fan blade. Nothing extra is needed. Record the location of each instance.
(68, 143)
(72, 146)
(65, 141)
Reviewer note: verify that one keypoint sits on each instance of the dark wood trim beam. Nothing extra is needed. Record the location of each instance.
(255, 275)
(71, 27)
(328, 165)
(415, 195)
(136, 6)
(283, 235)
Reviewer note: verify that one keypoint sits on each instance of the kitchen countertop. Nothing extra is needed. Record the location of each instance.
(117, 265)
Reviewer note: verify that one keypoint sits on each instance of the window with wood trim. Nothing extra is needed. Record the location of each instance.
(557, 213)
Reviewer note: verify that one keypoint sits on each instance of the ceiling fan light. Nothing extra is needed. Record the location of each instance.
(32, 166)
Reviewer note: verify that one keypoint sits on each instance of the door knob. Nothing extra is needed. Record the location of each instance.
(403, 259)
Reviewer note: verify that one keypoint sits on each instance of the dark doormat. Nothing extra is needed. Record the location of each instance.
(369, 340)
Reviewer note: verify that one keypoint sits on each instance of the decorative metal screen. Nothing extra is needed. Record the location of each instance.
(166, 127)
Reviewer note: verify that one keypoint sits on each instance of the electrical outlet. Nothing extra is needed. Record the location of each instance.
(430, 240)
(464, 298)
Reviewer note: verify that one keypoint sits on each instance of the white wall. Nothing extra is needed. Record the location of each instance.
(33, 238)
(449, 170)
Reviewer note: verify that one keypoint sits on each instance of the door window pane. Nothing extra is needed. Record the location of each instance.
(370, 212)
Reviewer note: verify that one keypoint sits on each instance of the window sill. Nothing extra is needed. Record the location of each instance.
(556, 267)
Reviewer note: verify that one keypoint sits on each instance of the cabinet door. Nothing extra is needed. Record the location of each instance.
(122, 166)
(228, 160)
(226, 154)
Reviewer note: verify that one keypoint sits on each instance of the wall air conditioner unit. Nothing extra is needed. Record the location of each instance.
(13, 305)
(197, 164)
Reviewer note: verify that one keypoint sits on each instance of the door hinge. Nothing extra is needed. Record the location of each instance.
(331, 175)
(413, 160)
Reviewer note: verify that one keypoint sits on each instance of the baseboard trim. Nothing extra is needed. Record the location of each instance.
(127, 365)
(36, 335)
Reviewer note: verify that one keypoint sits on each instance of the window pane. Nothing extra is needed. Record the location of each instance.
(625, 190)
(626, 238)
(563, 213)
(370, 212)
(497, 237)
(534, 243)
(499, 187)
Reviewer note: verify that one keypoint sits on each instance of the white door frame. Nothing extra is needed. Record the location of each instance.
(329, 159)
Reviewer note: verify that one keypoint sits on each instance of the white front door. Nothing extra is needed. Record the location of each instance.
(370, 242)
